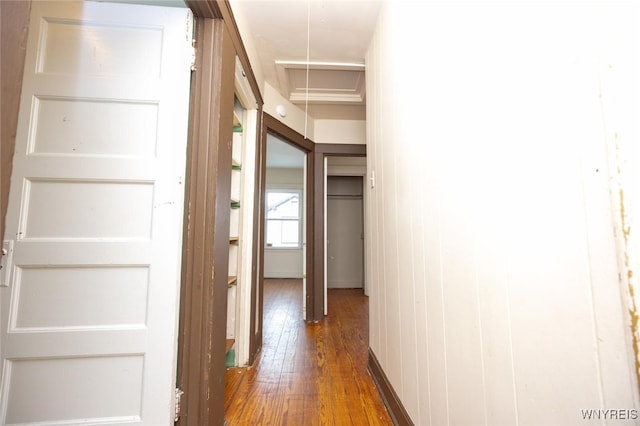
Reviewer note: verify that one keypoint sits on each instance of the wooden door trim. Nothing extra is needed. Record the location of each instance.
(203, 317)
(274, 126)
(221, 9)
(316, 154)
(321, 151)
(201, 364)
(257, 274)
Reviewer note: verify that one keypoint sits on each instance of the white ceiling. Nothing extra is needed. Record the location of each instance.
(339, 32)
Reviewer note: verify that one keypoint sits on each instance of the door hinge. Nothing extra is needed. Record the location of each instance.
(178, 398)
(190, 38)
(193, 56)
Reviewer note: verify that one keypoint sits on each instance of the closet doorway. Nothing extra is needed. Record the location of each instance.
(344, 222)
(345, 232)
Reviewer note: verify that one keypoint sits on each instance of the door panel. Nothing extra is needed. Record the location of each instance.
(83, 209)
(345, 251)
(36, 386)
(89, 312)
(134, 137)
(122, 302)
(344, 244)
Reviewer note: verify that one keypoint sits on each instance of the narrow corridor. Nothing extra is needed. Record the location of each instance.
(307, 374)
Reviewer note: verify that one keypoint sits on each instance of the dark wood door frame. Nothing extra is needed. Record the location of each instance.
(276, 127)
(316, 154)
(321, 151)
(203, 302)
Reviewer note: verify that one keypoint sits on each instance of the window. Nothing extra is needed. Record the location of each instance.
(283, 218)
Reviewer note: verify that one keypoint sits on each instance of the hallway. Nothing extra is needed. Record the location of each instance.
(307, 374)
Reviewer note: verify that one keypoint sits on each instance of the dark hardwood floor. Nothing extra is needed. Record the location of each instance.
(307, 374)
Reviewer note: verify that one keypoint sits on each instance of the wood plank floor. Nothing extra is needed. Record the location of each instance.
(307, 374)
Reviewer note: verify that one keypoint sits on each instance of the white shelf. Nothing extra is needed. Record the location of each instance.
(235, 234)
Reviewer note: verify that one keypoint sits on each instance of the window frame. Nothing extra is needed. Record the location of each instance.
(297, 191)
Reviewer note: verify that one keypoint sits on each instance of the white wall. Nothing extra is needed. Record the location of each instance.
(249, 44)
(492, 263)
(320, 131)
(283, 263)
(340, 131)
(619, 86)
(295, 117)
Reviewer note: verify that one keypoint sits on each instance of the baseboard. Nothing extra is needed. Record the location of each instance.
(389, 396)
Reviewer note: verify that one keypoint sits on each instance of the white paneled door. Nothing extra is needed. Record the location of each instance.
(89, 293)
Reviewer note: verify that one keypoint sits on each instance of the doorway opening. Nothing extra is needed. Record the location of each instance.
(271, 128)
(285, 218)
(345, 232)
(344, 217)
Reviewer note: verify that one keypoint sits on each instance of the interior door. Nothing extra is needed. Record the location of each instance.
(90, 283)
(345, 250)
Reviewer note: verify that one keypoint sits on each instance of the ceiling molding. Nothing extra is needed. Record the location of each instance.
(329, 82)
